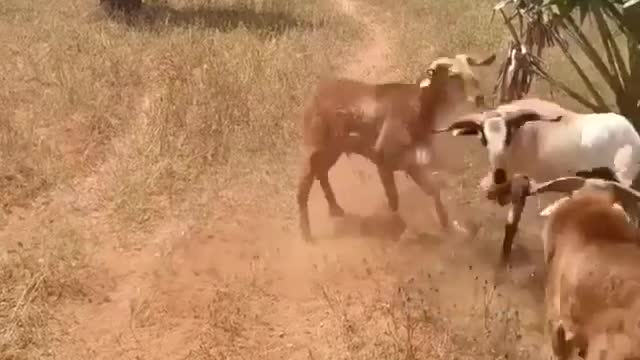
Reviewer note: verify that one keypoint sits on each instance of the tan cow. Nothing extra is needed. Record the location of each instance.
(592, 290)
(461, 65)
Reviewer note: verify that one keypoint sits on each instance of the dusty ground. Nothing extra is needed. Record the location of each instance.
(243, 285)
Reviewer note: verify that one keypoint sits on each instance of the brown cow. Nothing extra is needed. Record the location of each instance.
(390, 124)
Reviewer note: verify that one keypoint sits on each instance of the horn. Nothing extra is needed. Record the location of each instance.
(488, 61)
(622, 193)
(600, 172)
(567, 185)
(469, 124)
(521, 116)
(468, 127)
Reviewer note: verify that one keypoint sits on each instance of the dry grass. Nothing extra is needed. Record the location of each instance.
(470, 29)
(108, 126)
(112, 128)
(408, 320)
(412, 321)
(465, 26)
(426, 30)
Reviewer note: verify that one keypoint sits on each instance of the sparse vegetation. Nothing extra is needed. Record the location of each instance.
(148, 167)
(106, 127)
(614, 55)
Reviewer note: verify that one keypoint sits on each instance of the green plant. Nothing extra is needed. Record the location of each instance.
(546, 23)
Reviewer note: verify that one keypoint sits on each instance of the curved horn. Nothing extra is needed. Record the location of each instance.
(469, 124)
(519, 117)
(488, 61)
(569, 184)
(600, 172)
(564, 184)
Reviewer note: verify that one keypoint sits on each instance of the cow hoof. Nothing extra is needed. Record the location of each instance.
(336, 211)
(501, 275)
(455, 228)
(408, 235)
(308, 238)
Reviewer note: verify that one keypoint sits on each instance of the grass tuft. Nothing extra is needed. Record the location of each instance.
(112, 125)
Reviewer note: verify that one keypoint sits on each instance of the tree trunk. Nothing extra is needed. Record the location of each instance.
(629, 103)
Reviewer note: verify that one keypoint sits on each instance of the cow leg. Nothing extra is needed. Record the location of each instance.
(422, 178)
(511, 228)
(390, 188)
(324, 163)
(305, 181)
(561, 346)
(356, 144)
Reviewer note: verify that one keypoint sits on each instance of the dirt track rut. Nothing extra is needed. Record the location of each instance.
(248, 287)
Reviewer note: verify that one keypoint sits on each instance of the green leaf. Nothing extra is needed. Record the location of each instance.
(630, 3)
(501, 4)
(584, 11)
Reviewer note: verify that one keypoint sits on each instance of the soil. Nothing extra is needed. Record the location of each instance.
(246, 286)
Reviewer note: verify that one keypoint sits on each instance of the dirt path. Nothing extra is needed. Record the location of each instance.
(198, 291)
(245, 286)
(372, 60)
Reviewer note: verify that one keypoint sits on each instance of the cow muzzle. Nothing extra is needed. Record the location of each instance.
(499, 176)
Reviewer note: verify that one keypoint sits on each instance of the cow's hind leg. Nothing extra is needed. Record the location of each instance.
(420, 176)
(323, 163)
(316, 165)
(390, 188)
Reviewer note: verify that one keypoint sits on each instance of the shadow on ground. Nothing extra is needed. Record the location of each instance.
(267, 23)
(384, 226)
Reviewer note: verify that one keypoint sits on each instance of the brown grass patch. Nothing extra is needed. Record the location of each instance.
(109, 126)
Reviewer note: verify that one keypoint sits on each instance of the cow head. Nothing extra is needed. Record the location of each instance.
(496, 130)
(445, 90)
